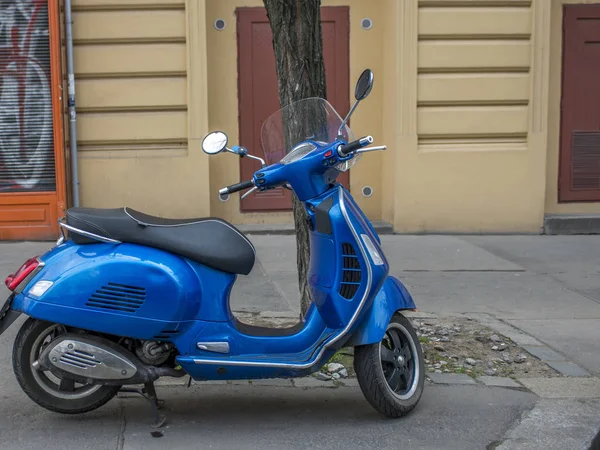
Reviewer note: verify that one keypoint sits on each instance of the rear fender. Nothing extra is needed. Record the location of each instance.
(122, 290)
(392, 297)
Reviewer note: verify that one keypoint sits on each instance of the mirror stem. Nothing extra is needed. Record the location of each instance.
(243, 153)
(262, 161)
(347, 117)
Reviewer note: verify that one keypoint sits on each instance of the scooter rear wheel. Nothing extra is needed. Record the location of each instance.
(44, 388)
(391, 373)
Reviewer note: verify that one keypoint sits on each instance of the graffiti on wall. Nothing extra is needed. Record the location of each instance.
(26, 138)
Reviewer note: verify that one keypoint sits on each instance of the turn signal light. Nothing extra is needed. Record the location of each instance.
(13, 281)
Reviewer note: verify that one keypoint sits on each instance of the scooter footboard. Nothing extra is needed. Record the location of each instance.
(392, 297)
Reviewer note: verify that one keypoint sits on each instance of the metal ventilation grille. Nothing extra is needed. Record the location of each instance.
(351, 274)
(26, 128)
(79, 359)
(167, 334)
(585, 161)
(118, 297)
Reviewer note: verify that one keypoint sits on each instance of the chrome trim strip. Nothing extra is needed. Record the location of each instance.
(228, 362)
(375, 256)
(87, 234)
(217, 347)
(62, 237)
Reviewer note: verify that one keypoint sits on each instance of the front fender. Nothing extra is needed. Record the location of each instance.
(392, 297)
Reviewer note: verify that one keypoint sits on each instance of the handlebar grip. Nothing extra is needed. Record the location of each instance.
(345, 150)
(237, 187)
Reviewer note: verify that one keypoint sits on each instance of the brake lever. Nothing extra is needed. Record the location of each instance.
(371, 149)
(246, 194)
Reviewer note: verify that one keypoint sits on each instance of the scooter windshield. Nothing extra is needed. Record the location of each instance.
(308, 119)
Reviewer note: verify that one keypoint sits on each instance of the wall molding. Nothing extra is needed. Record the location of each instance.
(128, 7)
(540, 67)
(407, 66)
(197, 96)
(474, 3)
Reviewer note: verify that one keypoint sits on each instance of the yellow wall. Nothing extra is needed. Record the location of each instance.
(466, 97)
(141, 90)
(552, 205)
(469, 157)
(365, 51)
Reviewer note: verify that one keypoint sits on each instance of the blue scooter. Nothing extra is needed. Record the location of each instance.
(127, 298)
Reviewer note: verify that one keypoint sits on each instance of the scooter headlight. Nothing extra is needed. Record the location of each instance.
(40, 288)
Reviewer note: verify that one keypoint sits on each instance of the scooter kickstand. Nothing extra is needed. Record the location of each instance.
(155, 403)
(149, 394)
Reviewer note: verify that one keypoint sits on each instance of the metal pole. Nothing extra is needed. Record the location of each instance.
(71, 103)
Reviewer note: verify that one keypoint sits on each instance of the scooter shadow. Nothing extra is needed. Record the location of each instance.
(253, 405)
(268, 417)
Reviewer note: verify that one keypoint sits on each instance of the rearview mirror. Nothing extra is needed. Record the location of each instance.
(214, 142)
(363, 88)
(364, 85)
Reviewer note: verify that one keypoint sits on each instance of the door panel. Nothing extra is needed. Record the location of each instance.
(258, 92)
(31, 163)
(579, 177)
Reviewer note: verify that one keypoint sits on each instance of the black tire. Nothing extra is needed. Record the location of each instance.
(392, 386)
(40, 387)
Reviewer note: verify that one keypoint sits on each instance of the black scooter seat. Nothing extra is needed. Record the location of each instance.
(209, 241)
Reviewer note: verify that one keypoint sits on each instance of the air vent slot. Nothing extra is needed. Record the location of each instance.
(118, 297)
(79, 359)
(167, 334)
(351, 273)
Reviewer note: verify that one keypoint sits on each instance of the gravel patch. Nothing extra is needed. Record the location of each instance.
(463, 345)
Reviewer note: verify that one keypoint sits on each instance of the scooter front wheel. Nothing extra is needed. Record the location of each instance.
(44, 388)
(391, 373)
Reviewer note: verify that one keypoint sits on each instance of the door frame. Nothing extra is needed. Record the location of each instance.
(57, 106)
(570, 13)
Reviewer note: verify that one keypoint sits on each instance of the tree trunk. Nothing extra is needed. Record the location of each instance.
(298, 46)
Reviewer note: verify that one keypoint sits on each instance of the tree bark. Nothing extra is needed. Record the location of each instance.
(298, 46)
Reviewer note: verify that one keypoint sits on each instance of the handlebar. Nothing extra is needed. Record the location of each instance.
(342, 151)
(236, 187)
(345, 150)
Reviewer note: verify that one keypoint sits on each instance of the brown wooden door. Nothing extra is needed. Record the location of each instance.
(258, 94)
(579, 175)
(32, 177)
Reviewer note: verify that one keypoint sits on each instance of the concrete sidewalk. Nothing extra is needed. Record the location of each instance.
(270, 417)
(546, 287)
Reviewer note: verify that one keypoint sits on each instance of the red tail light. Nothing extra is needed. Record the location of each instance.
(13, 281)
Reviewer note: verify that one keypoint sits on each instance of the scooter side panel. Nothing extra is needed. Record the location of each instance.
(340, 259)
(215, 288)
(303, 341)
(392, 297)
(121, 289)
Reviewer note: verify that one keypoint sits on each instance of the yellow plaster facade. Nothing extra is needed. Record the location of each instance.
(466, 97)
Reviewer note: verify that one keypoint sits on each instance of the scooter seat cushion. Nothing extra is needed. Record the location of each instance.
(209, 241)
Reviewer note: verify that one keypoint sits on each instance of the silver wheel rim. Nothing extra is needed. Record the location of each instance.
(50, 382)
(412, 371)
